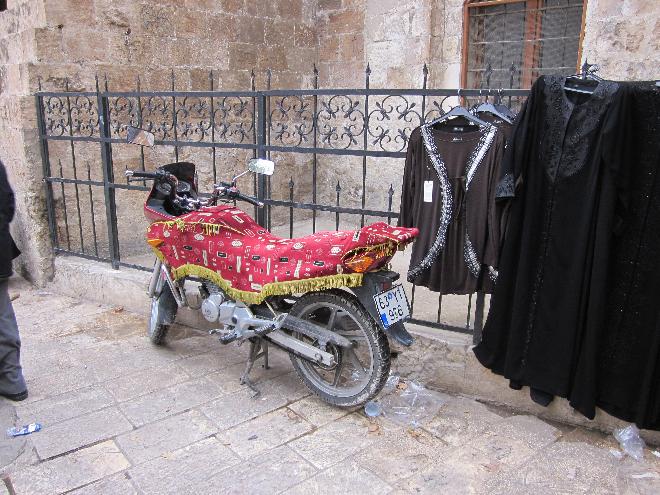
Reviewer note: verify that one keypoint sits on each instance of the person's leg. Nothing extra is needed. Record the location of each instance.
(12, 382)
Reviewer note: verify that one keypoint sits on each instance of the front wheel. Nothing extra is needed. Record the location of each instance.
(162, 314)
(360, 372)
(156, 331)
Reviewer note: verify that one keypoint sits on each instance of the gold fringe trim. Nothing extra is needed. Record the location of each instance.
(272, 289)
(208, 228)
(158, 254)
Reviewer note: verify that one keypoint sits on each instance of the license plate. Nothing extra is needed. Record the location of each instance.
(392, 306)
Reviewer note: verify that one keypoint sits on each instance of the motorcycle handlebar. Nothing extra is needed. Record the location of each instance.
(141, 175)
(249, 199)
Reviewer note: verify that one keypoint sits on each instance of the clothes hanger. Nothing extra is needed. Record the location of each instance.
(487, 107)
(583, 82)
(503, 108)
(459, 111)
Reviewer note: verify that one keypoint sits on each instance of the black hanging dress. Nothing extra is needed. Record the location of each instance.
(552, 273)
(628, 359)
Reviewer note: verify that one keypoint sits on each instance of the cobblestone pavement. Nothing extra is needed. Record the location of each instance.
(121, 416)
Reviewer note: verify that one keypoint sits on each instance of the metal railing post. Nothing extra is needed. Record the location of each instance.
(45, 162)
(108, 176)
(261, 153)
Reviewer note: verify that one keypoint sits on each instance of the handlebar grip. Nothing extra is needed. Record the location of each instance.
(141, 175)
(250, 200)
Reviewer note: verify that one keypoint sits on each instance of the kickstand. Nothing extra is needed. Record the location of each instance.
(255, 346)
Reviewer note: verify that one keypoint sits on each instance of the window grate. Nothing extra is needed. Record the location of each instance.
(513, 42)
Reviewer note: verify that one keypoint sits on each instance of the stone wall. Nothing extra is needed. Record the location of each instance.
(623, 38)
(68, 42)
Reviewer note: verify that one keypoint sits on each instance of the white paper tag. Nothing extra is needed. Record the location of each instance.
(428, 191)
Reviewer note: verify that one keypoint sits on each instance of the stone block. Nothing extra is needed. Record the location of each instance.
(266, 432)
(170, 401)
(190, 22)
(346, 477)
(262, 9)
(157, 20)
(246, 29)
(273, 58)
(305, 36)
(243, 56)
(164, 436)
(69, 12)
(233, 6)
(279, 33)
(329, 4)
(70, 471)
(347, 21)
(49, 46)
(301, 61)
(290, 9)
(186, 468)
(85, 45)
(78, 432)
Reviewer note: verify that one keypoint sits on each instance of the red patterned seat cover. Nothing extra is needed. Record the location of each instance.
(225, 245)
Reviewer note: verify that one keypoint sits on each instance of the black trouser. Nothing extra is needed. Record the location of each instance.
(11, 373)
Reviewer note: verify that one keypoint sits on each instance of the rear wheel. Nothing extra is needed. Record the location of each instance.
(360, 372)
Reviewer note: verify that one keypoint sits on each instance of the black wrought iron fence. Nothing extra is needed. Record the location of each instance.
(339, 154)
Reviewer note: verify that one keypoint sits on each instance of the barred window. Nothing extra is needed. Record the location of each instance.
(510, 43)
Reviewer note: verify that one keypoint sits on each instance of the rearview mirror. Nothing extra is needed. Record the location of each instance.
(139, 136)
(261, 166)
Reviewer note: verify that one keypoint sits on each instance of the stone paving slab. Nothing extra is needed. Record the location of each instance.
(341, 479)
(122, 417)
(117, 484)
(78, 432)
(72, 471)
(185, 470)
(127, 387)
(59, 408)
(266, 432)
(170, 401)
(163, 436)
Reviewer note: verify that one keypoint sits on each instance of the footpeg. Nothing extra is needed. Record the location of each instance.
(228, 338)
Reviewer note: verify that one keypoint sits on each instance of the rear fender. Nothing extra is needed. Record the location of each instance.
(372, 284)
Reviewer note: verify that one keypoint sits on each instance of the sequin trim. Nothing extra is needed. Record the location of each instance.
(470, 256)
(478, 153)
(493, 273)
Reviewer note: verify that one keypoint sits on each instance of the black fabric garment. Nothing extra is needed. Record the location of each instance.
(8, 249)
(563, 185)
(458, 244)
(628, 360)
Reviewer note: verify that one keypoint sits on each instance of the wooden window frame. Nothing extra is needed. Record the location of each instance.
(532, 25)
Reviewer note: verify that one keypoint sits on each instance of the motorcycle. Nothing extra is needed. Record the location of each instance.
(327, 299)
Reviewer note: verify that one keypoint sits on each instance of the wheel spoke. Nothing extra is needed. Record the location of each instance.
(332, 319)
(340, 366)
(355, 361)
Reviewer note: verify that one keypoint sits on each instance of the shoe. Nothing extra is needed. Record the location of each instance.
(16, 397)
(540, 397)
